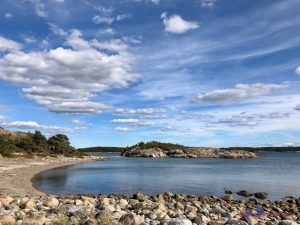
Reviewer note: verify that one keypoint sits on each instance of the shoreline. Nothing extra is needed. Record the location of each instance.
(22, 203)
(16, 175)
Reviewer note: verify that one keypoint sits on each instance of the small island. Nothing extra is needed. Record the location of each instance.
(155, 149)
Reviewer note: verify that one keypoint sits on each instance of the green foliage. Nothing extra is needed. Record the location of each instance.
(156, 144)
(101, 149)
(62, 220)
(36, 144)
(107, 220)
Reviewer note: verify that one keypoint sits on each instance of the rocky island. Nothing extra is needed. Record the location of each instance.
(162, 150)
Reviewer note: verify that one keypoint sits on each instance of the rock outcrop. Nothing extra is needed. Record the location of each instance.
(188, 152)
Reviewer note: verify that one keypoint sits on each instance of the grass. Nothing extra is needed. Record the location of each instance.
(62, 220)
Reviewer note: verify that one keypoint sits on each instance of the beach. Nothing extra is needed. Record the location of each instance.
(16, 174)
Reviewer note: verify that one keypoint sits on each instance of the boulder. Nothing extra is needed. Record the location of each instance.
(30, 204)
(236, 222)
(245, 193)
(51, 203)
(6, 200)
(261, 195)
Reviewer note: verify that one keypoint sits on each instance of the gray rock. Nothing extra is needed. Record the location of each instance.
(245, 193)
(261, 195)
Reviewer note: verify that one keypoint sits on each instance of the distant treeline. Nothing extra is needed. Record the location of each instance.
(101, 149)
(266, 149)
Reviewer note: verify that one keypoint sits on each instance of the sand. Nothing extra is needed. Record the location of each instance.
(16, 174)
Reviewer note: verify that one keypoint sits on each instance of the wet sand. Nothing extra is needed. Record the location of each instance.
(16, 174)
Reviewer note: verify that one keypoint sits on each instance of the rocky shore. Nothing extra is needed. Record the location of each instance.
(166, 209)
(189, 152)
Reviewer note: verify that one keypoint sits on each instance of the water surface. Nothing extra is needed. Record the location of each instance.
(277, 173)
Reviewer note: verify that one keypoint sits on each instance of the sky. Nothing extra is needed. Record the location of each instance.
(214, 73)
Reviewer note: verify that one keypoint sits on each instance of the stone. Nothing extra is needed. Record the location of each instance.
(228, 198)
(176, 221)
(229, 192)
(236, 222)
(123, 203)
(6, 200)
(8, 220)
(287, 222)
(30, 204)
(131, 219)
(51, 203)
(261, 195)
(244, 193)
(78, 202)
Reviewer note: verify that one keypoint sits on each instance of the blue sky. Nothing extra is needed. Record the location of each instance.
(112, 73)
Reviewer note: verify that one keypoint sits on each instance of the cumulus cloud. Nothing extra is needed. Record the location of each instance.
(298, 70)
(32, 125)
(122, 129)
(66, 79)
(149, 113)
(6, 44)
(176, 24)
(168, 128)
(239, 92)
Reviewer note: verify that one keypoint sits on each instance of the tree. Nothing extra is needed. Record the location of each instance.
(61, 138)
(39, 139)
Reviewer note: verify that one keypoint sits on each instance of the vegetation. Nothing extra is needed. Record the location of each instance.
(156, 144)
(62, 220)
(101, 149)
(266, 149)
(29, 144)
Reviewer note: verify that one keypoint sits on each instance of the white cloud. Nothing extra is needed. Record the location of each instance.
(156, 2)
(134, 122)
(122, 129)
(32, 125)
(124, 121)
(245, 119)
(168, 128)
(297, 107)
(29, 39)
(78, 122)
(239, 92)
(40, 10)
(8, 15)
(298, 70)
(59, 1)
(207, 3)
(100, 19)
(145, 124)
(176, 24)
(57, 30)
(66, 79)
(149, 113)
(6, 44)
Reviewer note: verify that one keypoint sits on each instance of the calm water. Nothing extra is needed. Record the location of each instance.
(278, 174)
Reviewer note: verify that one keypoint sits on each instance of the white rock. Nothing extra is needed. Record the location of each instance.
(177, 221)
(51, 203)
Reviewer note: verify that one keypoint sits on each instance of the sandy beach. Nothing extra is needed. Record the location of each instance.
(16, 174)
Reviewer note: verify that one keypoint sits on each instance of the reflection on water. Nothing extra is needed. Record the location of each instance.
(278, 174)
